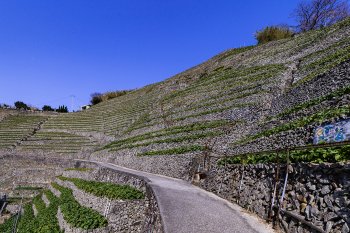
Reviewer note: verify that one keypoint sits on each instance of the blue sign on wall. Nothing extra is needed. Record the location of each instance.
(337, 132)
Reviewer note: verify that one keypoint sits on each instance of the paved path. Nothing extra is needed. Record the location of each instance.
(188, 209)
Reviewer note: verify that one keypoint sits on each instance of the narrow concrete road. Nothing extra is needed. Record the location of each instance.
(188, 209)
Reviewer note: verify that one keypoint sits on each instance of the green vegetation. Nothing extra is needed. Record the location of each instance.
(273, 33)
(317, 155)
(170, 131)
(98, 97)
(39, 203)
(15, 128)
(45, 221)
(173, 151)
(237, 77)
(6, 227)
(77, 215)
(27, 223)
(233, 52)
(319, 117)
(226, 97)
(215, 110)
(335, 94)
(105, 189)
(144, 118)
(191, 137)
(46, 218)
(79, 169)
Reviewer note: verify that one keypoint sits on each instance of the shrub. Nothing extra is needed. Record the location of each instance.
(48, 108)
(98, 97)
(273, 33)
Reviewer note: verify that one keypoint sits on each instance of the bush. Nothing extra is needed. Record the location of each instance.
(98, 97)
(48, 108)
(273, 33)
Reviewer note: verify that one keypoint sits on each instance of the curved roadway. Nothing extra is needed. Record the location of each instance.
(188, 209)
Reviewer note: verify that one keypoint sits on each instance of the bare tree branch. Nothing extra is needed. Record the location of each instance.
(316, 14)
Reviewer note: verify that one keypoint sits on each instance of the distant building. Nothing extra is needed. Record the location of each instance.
(85, 107)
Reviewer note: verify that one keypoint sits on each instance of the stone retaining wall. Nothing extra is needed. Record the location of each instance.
(176, 166)
(319, 194)
(35, 211)
(124, 216)
(56, 192)
(69, 229)
(45, 200)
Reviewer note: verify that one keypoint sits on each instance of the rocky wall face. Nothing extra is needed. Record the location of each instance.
(318, 194)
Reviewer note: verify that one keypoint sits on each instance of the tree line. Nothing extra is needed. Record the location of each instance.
(20, 105)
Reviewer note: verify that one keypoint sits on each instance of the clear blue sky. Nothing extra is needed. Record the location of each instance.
(52, 49)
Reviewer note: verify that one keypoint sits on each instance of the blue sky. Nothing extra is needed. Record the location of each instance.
(50, 50)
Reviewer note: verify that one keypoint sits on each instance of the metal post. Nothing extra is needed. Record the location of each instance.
(284, 189)
(240, 187)
(286, 179)
(276, 184)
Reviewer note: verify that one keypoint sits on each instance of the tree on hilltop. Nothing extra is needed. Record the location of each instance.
(21, 105)
(316, 14)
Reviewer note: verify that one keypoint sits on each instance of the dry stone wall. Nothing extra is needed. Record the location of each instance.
(317, 194)
(123, 216)
(67, 228)
(169, 165)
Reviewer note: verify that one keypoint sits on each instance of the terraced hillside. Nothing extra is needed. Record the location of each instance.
(242, 100)
(16, 128)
